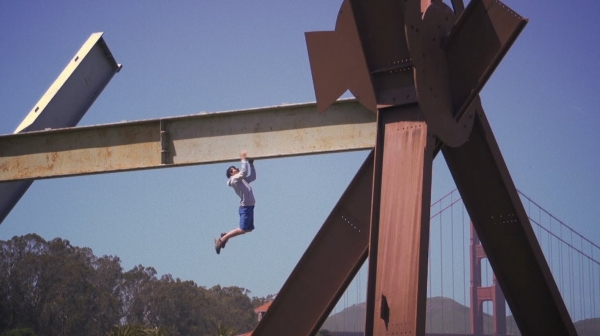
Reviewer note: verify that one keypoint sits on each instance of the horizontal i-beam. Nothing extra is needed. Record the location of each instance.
(271, 132)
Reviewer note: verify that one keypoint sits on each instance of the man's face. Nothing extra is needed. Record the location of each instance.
(233, 171)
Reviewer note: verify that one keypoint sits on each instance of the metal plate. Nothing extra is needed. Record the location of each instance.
(338, 64)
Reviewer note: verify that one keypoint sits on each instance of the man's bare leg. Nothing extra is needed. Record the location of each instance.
(231, 234)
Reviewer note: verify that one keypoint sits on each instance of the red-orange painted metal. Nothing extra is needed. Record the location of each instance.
(338, 64)
(480, 294)
(477, 43)
(381, 28)
(506, 235)
(458, 6)
(398, 252)
(328, 265)
(442, 57)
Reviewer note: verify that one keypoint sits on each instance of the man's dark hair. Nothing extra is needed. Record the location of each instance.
(228, 173)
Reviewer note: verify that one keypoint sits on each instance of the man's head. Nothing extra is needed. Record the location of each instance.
(231, 171)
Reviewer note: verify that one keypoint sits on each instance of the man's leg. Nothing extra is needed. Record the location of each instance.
(246, 225)
(231, 234)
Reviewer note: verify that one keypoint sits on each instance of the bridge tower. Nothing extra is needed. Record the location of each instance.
(480, 294)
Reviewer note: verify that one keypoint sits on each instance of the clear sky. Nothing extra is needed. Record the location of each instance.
(185, 57)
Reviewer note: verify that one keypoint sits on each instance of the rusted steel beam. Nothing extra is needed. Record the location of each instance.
(328, 265)
(197, 139)
(458, 6)
(505, 232)
(399, 244)
(475, 46)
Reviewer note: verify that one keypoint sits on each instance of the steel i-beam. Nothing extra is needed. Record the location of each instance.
(271, 132)
(398, 253)
(506, 235)
(65, 103)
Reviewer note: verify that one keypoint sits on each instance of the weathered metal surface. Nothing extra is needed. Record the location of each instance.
(450, 63)
(381, 29)
(425, 36)
(453, 61)
(65, 102)
(328, 265)
(414, 50)
(199, 139)
(477, 43)
(458, 6)
(70, 96)
(398, 251)
(338, 64)
(505, 232)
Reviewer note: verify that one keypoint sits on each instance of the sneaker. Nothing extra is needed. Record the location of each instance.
(218, 245)
(223, 244)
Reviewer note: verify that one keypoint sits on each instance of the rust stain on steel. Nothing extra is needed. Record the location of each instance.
(271, 132)
(197, 139)
(338, 64)
(66, 153)
(506, 235)
(400, 224)
(328, 265)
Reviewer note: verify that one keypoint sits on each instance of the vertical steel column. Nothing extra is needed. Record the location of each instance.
(398, 252)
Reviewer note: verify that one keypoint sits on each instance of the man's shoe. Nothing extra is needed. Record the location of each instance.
(218, 245)
(223, 244)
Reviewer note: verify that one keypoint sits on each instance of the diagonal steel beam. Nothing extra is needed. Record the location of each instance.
(505, 232)
(477, 43)
(198, 139)
(328, 265)
(65, 102)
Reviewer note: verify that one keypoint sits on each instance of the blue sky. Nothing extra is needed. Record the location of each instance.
(191, 56)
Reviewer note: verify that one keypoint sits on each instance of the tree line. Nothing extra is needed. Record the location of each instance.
(54, 288)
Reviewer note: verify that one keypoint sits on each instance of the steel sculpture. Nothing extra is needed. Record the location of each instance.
(419, 65)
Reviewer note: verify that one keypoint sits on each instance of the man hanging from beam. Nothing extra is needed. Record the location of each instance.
(239, 180)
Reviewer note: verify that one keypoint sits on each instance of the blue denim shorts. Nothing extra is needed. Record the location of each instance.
(247, 218)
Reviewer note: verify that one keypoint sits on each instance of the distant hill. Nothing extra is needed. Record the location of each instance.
(589, 327)
(443, 316)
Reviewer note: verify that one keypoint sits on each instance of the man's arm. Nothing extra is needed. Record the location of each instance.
(243, 174)
(252, 175)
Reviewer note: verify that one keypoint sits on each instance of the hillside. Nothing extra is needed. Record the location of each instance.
(443, 315)
(442, 318)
